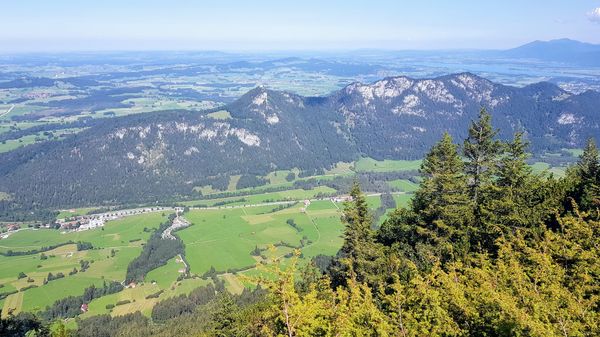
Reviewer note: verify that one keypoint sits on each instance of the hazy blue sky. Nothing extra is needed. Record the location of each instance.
(283, 24)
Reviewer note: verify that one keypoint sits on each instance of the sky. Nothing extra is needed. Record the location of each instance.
(253, 25)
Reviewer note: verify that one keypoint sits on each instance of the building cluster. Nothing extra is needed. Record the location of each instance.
(91, 221)
(306, 204)
(342, 198)
(9, 229)
(13, 227)
(82, 223)
(37, 95)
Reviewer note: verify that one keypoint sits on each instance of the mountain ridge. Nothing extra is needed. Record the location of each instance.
(162, 156)
(559, 50)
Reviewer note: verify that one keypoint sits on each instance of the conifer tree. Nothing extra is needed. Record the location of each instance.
(359, 254)
(588, 171)
(512, 167)
(509, 205)
(442, 204)
(588, 164)
(358, 221)
(442, 194)
(481, 151)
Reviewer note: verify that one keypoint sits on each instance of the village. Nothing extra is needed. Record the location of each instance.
(92, 221)
(87, 222)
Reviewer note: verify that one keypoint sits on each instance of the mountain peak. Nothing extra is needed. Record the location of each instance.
(266, 104)
(559, 50)
(409, 89)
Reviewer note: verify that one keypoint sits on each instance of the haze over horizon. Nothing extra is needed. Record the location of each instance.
(68, 25)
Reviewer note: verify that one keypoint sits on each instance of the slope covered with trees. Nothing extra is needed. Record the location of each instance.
(486, 248)
(163, 156)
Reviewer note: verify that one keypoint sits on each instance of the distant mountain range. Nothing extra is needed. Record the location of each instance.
(158, 156)
(561, 50)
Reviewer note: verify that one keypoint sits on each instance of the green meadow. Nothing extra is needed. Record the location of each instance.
(539, 167)
(115, 233)
(287, 195)
(372, 165)
(403, 185)
(223, 238)
(115, 245)
(138, 297)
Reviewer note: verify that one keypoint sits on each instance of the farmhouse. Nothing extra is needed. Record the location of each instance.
(91, 224)
(13, 227)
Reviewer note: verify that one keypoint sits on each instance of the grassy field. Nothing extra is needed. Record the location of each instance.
(539, 167)
(221, 114)
(64, 260)
(12, 144)
(225, 238)
(137, 297)
(279, 177)
(403, 185)
(115, 233)
(575, 152)
(66, 213)
(341, 168)
(402, 200)
(372, 165)
(124, 237)
(166, 274)
(374, 201)
(296, 194)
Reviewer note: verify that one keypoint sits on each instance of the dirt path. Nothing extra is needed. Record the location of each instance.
(183, 261)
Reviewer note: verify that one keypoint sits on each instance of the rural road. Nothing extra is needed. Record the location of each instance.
(7, 111)
(275, 203)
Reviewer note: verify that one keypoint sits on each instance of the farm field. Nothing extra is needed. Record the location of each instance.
(115, 233)
(162, 280)
(287, 195)
(66, 213)
(404, 185)
(115, 246)
(223, 238)
(539, 167)
(372, 165)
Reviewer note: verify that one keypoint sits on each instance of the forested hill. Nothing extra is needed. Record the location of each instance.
(486, 248)
(158, 156)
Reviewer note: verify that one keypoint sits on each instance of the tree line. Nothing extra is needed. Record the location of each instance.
(156, 253)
